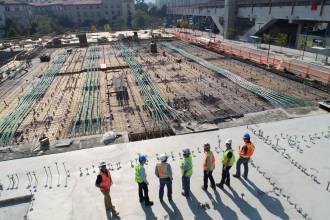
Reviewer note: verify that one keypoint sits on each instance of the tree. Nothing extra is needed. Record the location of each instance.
(266, 38)
(141, 6)
(120, 23)
(107, 28)
(93, 28)
(281, 40)
(140, 19)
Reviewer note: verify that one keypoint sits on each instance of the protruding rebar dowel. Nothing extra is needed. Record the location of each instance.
(46, 177)
(59, 175)
(17, 180)
(28, 176)
(51, 178)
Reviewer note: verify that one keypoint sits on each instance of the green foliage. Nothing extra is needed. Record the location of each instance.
(140, 19)
(281, 39)
(142, 7)
(93, 29)
(107, 28)
(266, 38)
(120, 23)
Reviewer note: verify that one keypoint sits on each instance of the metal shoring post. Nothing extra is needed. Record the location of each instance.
(46, 177)
(51, 178)
(59, 176)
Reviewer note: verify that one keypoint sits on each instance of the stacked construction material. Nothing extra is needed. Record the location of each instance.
(275, 98)
(161, 113)
(10, 123)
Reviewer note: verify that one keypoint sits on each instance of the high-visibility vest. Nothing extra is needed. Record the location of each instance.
(138, 177)
(163, 170)
(106, 181)
(225, 160)
(249, 152)
(209, 157)
(188, 172)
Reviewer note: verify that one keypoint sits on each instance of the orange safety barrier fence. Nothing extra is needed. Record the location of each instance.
(304, 70)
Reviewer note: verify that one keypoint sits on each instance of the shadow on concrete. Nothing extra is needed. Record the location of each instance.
(224, 211)
(16, 201)
(246, 209)
(110, 217)
(194, 205)
(172, 214)
(177, 212)
(272, 204)
(148, 212)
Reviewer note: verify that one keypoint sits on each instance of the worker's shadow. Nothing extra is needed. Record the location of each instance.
(110, 217)
(272, 204)
(198, 211)
(224, 211)
(172, 214)
(148, 212)
(245, 208)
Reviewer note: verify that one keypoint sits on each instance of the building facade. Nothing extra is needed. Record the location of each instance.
(79, 12)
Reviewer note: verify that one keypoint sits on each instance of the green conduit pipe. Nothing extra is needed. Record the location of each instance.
(10, 123)
(161, 113)
(88, 118)
(275, 98)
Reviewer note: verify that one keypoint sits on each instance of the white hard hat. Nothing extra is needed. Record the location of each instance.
(229, 141)
(186, 151)
(163, 157)
(102, 163)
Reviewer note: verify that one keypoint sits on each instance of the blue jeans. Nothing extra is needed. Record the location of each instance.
(168, 183)
(245, 162)
(186, 185)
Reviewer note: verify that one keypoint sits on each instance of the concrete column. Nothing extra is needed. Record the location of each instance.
(229, 18)
(299, 29)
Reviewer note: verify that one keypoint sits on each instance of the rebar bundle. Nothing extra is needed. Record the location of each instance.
(275, 98)
(161, 113)
(10, 123)
(88, 120)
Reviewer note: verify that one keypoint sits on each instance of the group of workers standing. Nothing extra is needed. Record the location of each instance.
(163, 171)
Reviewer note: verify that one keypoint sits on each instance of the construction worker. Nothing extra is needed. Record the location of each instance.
(163, 171)
(209, 165)
(186, 170)
(228, 159)
(104, 182)
(245, 153)
(141, 179)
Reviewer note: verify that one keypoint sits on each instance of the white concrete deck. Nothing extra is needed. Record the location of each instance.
(276, 191)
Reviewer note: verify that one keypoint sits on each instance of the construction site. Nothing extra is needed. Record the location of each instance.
(69, 102)
(144, 87)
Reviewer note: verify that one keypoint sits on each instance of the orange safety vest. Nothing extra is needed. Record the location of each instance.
(209, 156)
(106, 181)
(162, 170)
(249, 152)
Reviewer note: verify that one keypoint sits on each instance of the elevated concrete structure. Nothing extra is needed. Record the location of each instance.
(261, 13)
(282, 176)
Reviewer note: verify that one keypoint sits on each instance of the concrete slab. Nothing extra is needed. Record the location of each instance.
(278, 186)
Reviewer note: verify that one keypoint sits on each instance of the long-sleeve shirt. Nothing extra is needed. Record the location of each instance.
(143, 174)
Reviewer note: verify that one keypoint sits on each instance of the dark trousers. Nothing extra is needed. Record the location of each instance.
(143, 192)
(245, 162)
(207, 176)
(168, 183)
(186, 185)
(225, 177)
